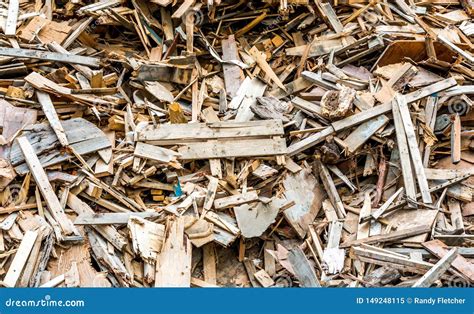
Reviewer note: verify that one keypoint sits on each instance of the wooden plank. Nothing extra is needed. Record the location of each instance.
(456, 215)
(111, 218)
(438, 269)
(331, 190)
(232, 72)
(147, 238)
(303, 189)
(211, 192)
(461, 264)
(306, 106)
(269, 260)
(240, 93)
(235, 200)
(171, 134)
(251, 270)
(389, 237)
(364, 132)
(77, 32)
(446, 174)
(404, 153)
(45, 187)
(363, 228)
(303, 269)
(49, 56)
(456, 140)
(107, 231)
(310, 141)
(464, 53)
(183, 8)
(262, 63)
(361, 117)
(229, 149)
(430, 90)
(254, 218)
(209, 263)
(331, 17)
(264, 279)
(19, 261)
(173, 265)
(156, 153)
(333, 256)
(414, 149)
(12, 17)
(52, 116)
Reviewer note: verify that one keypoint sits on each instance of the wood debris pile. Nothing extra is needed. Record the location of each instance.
(236, 143)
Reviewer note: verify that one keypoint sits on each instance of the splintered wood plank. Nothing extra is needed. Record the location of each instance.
(461, 264)
(156, 153)
(333, 256)
(229, 149)
(331, 190)
(50, 112)
(254, 218)
(389, 237)
(49, 56)
(2, 242)
(251, 270)
(19, 261)
(363, 228)
(464, 53)
(147, 238)
(170, 134)
(234, 200)
(456, 215)
(45, 187)
(209, 263)
(302, 268)
(404, 153)
(456, 140)
(269, 260)
(361, 117)
(414, 149)
(173, 265)
(307, 106)
(240, 94)
(331, 17)
(111, 218)
(430, 90)
(304, 190)
(183, 8)
(12, 18)
(211, 192)
(77, 32)
(264, 279)
(107, 231)
(232, 72)
(262, 63)
(364, 132)
(310, 141)
(437, 271)
(105, 168)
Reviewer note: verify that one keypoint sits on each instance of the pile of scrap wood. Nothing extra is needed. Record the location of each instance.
(236, 143)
